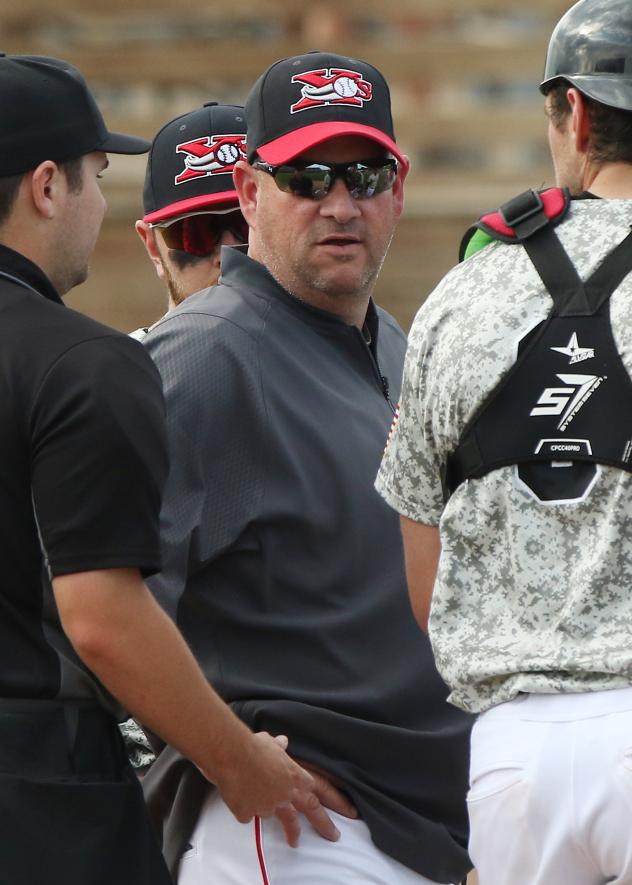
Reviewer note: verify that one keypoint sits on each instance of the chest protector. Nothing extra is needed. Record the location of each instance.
(565, 406)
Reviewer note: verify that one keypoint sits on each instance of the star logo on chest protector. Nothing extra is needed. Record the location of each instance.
(576, 353)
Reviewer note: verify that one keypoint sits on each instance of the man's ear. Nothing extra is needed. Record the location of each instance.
(580, 119)
(47, 184)
(216, 261)
(148, 236)
(247, 187)
(398, 186)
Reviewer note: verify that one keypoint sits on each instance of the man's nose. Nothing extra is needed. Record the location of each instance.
(339, 203)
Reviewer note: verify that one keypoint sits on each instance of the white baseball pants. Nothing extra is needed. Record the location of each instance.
(225, 852)
(550, 798)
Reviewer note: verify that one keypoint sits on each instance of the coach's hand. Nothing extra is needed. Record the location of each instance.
(262, 778)
(313, 804)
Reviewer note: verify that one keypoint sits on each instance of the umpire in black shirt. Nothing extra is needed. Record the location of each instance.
(82, 465)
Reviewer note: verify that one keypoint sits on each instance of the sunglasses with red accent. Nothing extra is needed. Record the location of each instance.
(200, 234)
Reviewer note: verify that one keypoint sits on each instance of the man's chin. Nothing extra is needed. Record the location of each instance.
(71, 282)
(344, 282)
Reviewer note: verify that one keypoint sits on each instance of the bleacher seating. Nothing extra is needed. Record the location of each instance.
(463, 77)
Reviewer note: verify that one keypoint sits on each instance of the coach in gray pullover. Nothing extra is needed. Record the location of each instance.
(284, 568)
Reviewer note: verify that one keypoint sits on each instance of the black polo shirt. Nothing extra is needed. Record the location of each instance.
(283, 566)
(82, 465)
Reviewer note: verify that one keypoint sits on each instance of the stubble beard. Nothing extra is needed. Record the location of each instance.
(176, 294)
(301, 277)
(65, 282)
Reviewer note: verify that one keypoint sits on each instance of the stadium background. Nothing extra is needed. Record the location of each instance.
(463, 77)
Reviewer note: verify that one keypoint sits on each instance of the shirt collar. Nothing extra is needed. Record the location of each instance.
(28, 274)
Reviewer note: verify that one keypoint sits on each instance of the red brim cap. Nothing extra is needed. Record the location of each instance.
(213, 202)
(286, 147)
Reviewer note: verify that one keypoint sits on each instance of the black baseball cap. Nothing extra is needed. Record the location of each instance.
(304, 100)
(47, 112)
(191, 162)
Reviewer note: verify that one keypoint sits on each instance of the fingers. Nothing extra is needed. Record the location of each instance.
(309, 805)
(266, 779)
(303, 780)
(333, 798)
(287, 815)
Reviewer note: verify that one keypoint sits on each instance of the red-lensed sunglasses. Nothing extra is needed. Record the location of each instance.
(200, 234)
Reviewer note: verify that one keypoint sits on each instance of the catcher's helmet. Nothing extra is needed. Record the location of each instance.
(591, 49)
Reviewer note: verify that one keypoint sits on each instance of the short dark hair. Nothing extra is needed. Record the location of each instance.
(181, 259)
(184, 259)
(610, 128)
(10, 184)
(73, 170)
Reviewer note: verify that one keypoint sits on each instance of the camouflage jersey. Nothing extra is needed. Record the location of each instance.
(529, 597)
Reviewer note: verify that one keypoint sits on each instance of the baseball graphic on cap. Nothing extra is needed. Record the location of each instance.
(345, 87)
(228, 154)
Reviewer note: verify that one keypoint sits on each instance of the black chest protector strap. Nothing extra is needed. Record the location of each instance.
(571, 296)
(568, 396)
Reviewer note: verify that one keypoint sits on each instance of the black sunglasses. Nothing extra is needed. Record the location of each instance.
(315, 180)
(200, 234)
